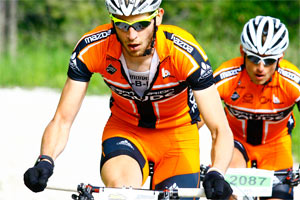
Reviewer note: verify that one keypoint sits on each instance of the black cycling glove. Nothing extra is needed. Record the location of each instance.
(36, 178)
(215, 186)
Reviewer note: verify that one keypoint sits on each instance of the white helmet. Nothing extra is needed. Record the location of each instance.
(276, 36)
(131, 7)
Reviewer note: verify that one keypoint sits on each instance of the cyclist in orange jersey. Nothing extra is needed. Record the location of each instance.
(160, 78)
(259, 90)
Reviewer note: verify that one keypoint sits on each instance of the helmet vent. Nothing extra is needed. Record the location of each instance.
(265, 35)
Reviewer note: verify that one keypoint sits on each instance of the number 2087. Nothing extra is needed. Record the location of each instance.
(247, 180)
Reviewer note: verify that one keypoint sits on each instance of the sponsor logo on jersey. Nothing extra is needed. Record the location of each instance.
(248, 98)
(165, 73)
(136, 77)
(73, 62)
(192, 101)
(230, 73)
(97, 37)
(111, 69)
(173, 187)
(264, 100)
(289, 75)
(235, 96)
(258, 116)
(185, 46)
(291, 120)
(126, 143)
(205, 70)
(150, 96)
(276, 100)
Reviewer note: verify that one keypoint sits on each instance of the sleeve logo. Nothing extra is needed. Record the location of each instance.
(97, 37)
(185, 46)
(205, 71)
(73, 62)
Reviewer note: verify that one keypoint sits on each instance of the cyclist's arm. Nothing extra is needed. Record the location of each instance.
(56, 133)
(211, 109)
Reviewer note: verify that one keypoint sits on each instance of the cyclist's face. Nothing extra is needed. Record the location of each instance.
(259, 73)
(135, 42)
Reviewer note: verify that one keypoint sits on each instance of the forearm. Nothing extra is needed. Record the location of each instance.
(57, 132)
(222, 149)
(211, 109)
(54, 139)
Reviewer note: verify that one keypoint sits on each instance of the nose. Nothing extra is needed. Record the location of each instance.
(132, 33)
(260, 67)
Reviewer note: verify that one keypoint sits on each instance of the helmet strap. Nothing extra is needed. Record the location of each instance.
(149, 51)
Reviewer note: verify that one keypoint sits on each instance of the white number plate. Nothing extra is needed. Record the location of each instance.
(250, 181)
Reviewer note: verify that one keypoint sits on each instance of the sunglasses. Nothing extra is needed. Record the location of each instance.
(137, 25)
(268, 60)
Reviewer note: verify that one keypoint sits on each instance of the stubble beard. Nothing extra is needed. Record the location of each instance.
(139, 53)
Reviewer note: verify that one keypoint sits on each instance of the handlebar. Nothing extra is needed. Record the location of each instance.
(85, 193)
(290, 177)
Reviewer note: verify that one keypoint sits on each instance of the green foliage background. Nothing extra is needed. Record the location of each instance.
(49, 30)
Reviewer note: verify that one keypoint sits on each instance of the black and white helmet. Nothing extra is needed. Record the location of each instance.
(265, 35)
(131, 7)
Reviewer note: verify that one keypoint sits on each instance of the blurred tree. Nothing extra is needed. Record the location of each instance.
(12, 29)
(61, 21)
(219, 19)
(2, 26)
(8, 27)
(54, 22)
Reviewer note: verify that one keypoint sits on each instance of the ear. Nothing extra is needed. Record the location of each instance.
(159, 16)
(242, 51)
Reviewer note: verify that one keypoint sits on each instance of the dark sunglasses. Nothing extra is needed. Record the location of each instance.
(268, 60)
(137, 25)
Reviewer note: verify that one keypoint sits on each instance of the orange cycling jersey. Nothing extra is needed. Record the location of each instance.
(168, 102)
(259, 114)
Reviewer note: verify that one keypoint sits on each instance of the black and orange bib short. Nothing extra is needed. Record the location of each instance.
(174, 151)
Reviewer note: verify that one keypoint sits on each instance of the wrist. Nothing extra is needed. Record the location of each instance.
(217, 170)
(44, 158)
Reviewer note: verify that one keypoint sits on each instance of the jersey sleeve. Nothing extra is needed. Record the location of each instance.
(201, 78)
(194, 66)
(78, 70)
(291, 75)
(225, 76)
(89, 54)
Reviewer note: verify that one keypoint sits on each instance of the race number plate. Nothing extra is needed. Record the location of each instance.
(250, 181)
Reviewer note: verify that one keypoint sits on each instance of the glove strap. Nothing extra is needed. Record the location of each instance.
(41, 157)
(215, 169)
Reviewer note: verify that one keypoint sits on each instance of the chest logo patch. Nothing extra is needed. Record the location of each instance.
(111, 69)
(276, 100)
(235, 96)
(165, 73)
